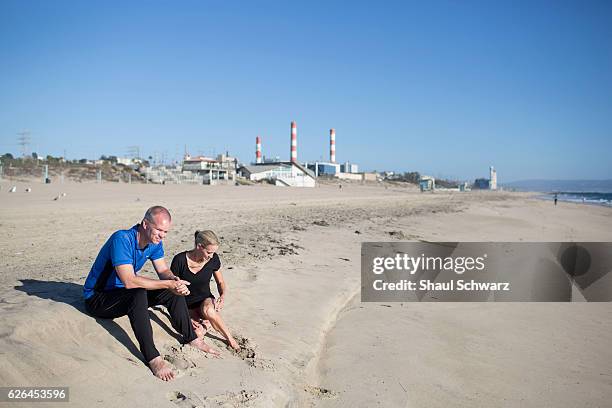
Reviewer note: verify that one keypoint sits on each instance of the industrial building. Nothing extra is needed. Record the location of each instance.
(481, 184)
(323, 168)
(487, 184)
(330, 168)
(288, 174)
(295, 174)
(349, 168)
(346, 170)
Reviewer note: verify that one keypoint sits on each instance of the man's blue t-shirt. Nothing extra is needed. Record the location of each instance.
(120, 249)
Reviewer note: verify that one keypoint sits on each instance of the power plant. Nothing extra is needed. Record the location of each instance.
(294, 173)
(487, 184)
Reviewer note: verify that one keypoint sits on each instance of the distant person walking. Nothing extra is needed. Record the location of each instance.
(113, 287)
(555, 198)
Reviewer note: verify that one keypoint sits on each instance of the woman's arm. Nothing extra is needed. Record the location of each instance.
(221, 288)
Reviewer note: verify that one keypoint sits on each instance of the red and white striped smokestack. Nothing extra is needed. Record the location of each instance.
(258, 150)
(332, 145)
(293, 142)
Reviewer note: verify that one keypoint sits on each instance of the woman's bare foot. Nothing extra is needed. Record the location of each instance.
(160, 369)
(200, 345)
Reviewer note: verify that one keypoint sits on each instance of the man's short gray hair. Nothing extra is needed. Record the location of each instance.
(155, 210)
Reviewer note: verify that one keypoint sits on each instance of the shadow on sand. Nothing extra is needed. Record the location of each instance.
(72, 294)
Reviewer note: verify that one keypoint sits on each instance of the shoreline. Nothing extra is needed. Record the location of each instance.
(546, 197)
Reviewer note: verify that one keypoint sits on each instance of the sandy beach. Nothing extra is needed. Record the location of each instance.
(291, 258)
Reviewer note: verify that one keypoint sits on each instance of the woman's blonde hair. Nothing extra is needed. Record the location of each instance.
(205, 238)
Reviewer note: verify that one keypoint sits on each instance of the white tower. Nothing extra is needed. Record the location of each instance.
(492, 178)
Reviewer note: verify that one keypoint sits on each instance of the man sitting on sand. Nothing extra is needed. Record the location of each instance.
(113, 288)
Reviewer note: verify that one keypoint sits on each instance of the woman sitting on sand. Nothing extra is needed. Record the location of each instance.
(197, 267)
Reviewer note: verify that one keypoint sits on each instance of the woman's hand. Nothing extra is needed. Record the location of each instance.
(219, 303)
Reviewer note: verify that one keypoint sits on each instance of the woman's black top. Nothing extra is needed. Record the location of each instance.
(200, 281)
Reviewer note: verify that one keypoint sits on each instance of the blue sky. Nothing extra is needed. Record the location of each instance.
(445, 88)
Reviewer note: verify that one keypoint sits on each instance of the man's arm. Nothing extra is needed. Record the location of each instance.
(162, 269)
(132, 281)
(165, 273)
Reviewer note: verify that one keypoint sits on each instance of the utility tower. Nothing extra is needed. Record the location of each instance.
(134, 151)
(24, 141)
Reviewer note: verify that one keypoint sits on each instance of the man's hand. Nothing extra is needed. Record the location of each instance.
(219, 303)
(179, 287)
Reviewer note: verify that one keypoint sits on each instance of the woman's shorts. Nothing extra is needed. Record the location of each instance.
(198, 303)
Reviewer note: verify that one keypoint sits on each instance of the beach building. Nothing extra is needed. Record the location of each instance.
(427, 183)
(223, 168)
(288, 174)
(125, 161)
(133, 163)
(170, 175)
(213, 171)
(464, 186)
(195, 170)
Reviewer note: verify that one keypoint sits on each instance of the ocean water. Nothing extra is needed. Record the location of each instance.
(591, 198)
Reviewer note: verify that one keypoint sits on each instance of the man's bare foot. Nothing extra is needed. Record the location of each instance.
(200, 332)
(234, 344)
(199, 329)
(200, 345)
(160, 369)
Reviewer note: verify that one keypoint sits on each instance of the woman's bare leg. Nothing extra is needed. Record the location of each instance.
(209, 312)
(196, 318)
